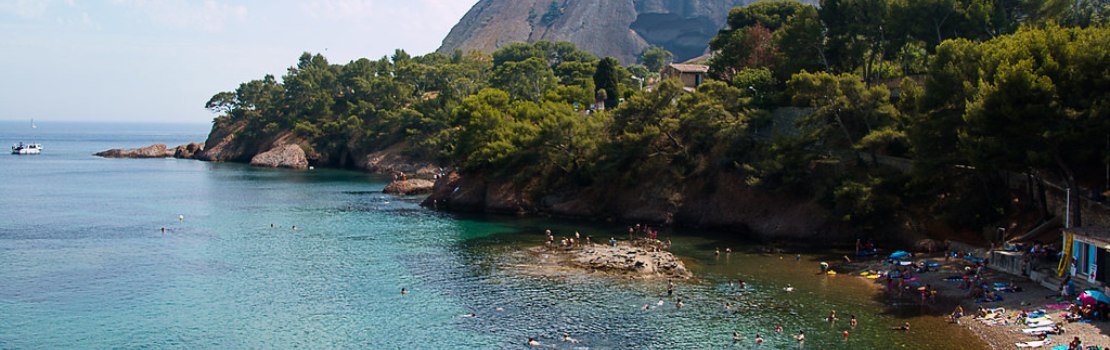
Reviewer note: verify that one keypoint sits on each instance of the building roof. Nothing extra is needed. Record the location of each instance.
(690, 68)
(1099, 235)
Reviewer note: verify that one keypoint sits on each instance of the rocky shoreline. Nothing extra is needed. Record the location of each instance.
(409, 187)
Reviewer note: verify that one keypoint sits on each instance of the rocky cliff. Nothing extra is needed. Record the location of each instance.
(621, 29)
(719, 201)
(229, 142)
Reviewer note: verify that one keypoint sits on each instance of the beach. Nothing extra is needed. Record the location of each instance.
(1031, 297)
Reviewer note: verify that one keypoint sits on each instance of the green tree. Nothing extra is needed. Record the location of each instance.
(491, 135)
(801, 43)
(842, 102)
(655, 58)
(607, 78)
(529, 79)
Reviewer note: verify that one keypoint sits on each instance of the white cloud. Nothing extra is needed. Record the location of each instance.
(208, 16)
(31, 9)
(78, 21)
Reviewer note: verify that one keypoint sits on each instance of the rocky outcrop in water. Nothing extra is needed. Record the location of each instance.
(409, 187)
(621, 29)
(641, 259)
(158, 150)
(188, 151)
(630, 260)
(289, 156)
(152, 151)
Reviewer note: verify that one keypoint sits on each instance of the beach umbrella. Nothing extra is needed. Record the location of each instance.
(899, 254)
(1092, 296)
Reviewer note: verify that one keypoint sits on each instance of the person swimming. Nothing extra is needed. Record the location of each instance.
(678, 304)
(736, 337)
(852, 321)
(404, 291)
(568, 339)
(778, 328)
(832, 316)
(903, 327)
(789, 288)
(533, 342)
(758, 339)
(728, 307)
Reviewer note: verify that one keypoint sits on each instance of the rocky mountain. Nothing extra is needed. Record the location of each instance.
(617, 28)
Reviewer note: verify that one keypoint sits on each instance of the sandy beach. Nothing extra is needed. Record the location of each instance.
(1031, 297)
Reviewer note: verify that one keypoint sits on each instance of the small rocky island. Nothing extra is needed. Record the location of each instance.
(159, 150)
(639, 259)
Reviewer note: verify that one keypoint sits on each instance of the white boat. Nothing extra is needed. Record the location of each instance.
(29, 148)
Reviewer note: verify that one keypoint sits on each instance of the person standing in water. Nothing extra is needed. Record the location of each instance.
(852, 321)
(404, 292)
(670, 287)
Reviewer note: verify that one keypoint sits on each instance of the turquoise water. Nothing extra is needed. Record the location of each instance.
(84, 264)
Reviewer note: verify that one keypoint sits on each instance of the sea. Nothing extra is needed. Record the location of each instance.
(85, 264)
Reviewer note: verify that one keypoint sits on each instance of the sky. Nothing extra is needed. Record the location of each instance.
(161, 60)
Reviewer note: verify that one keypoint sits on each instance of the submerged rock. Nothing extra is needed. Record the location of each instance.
(286, 156)
(409, 187)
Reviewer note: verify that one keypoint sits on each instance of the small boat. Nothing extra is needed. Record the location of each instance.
(29, 148)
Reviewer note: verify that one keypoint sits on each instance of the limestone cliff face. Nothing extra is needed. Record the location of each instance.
(617, 28)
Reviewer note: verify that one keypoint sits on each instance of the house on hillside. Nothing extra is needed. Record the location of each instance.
(691, 75)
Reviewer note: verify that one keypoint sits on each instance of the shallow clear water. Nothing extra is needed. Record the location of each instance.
(84, 264)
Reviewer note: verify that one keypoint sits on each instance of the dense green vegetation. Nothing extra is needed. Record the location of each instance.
(966, 90)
